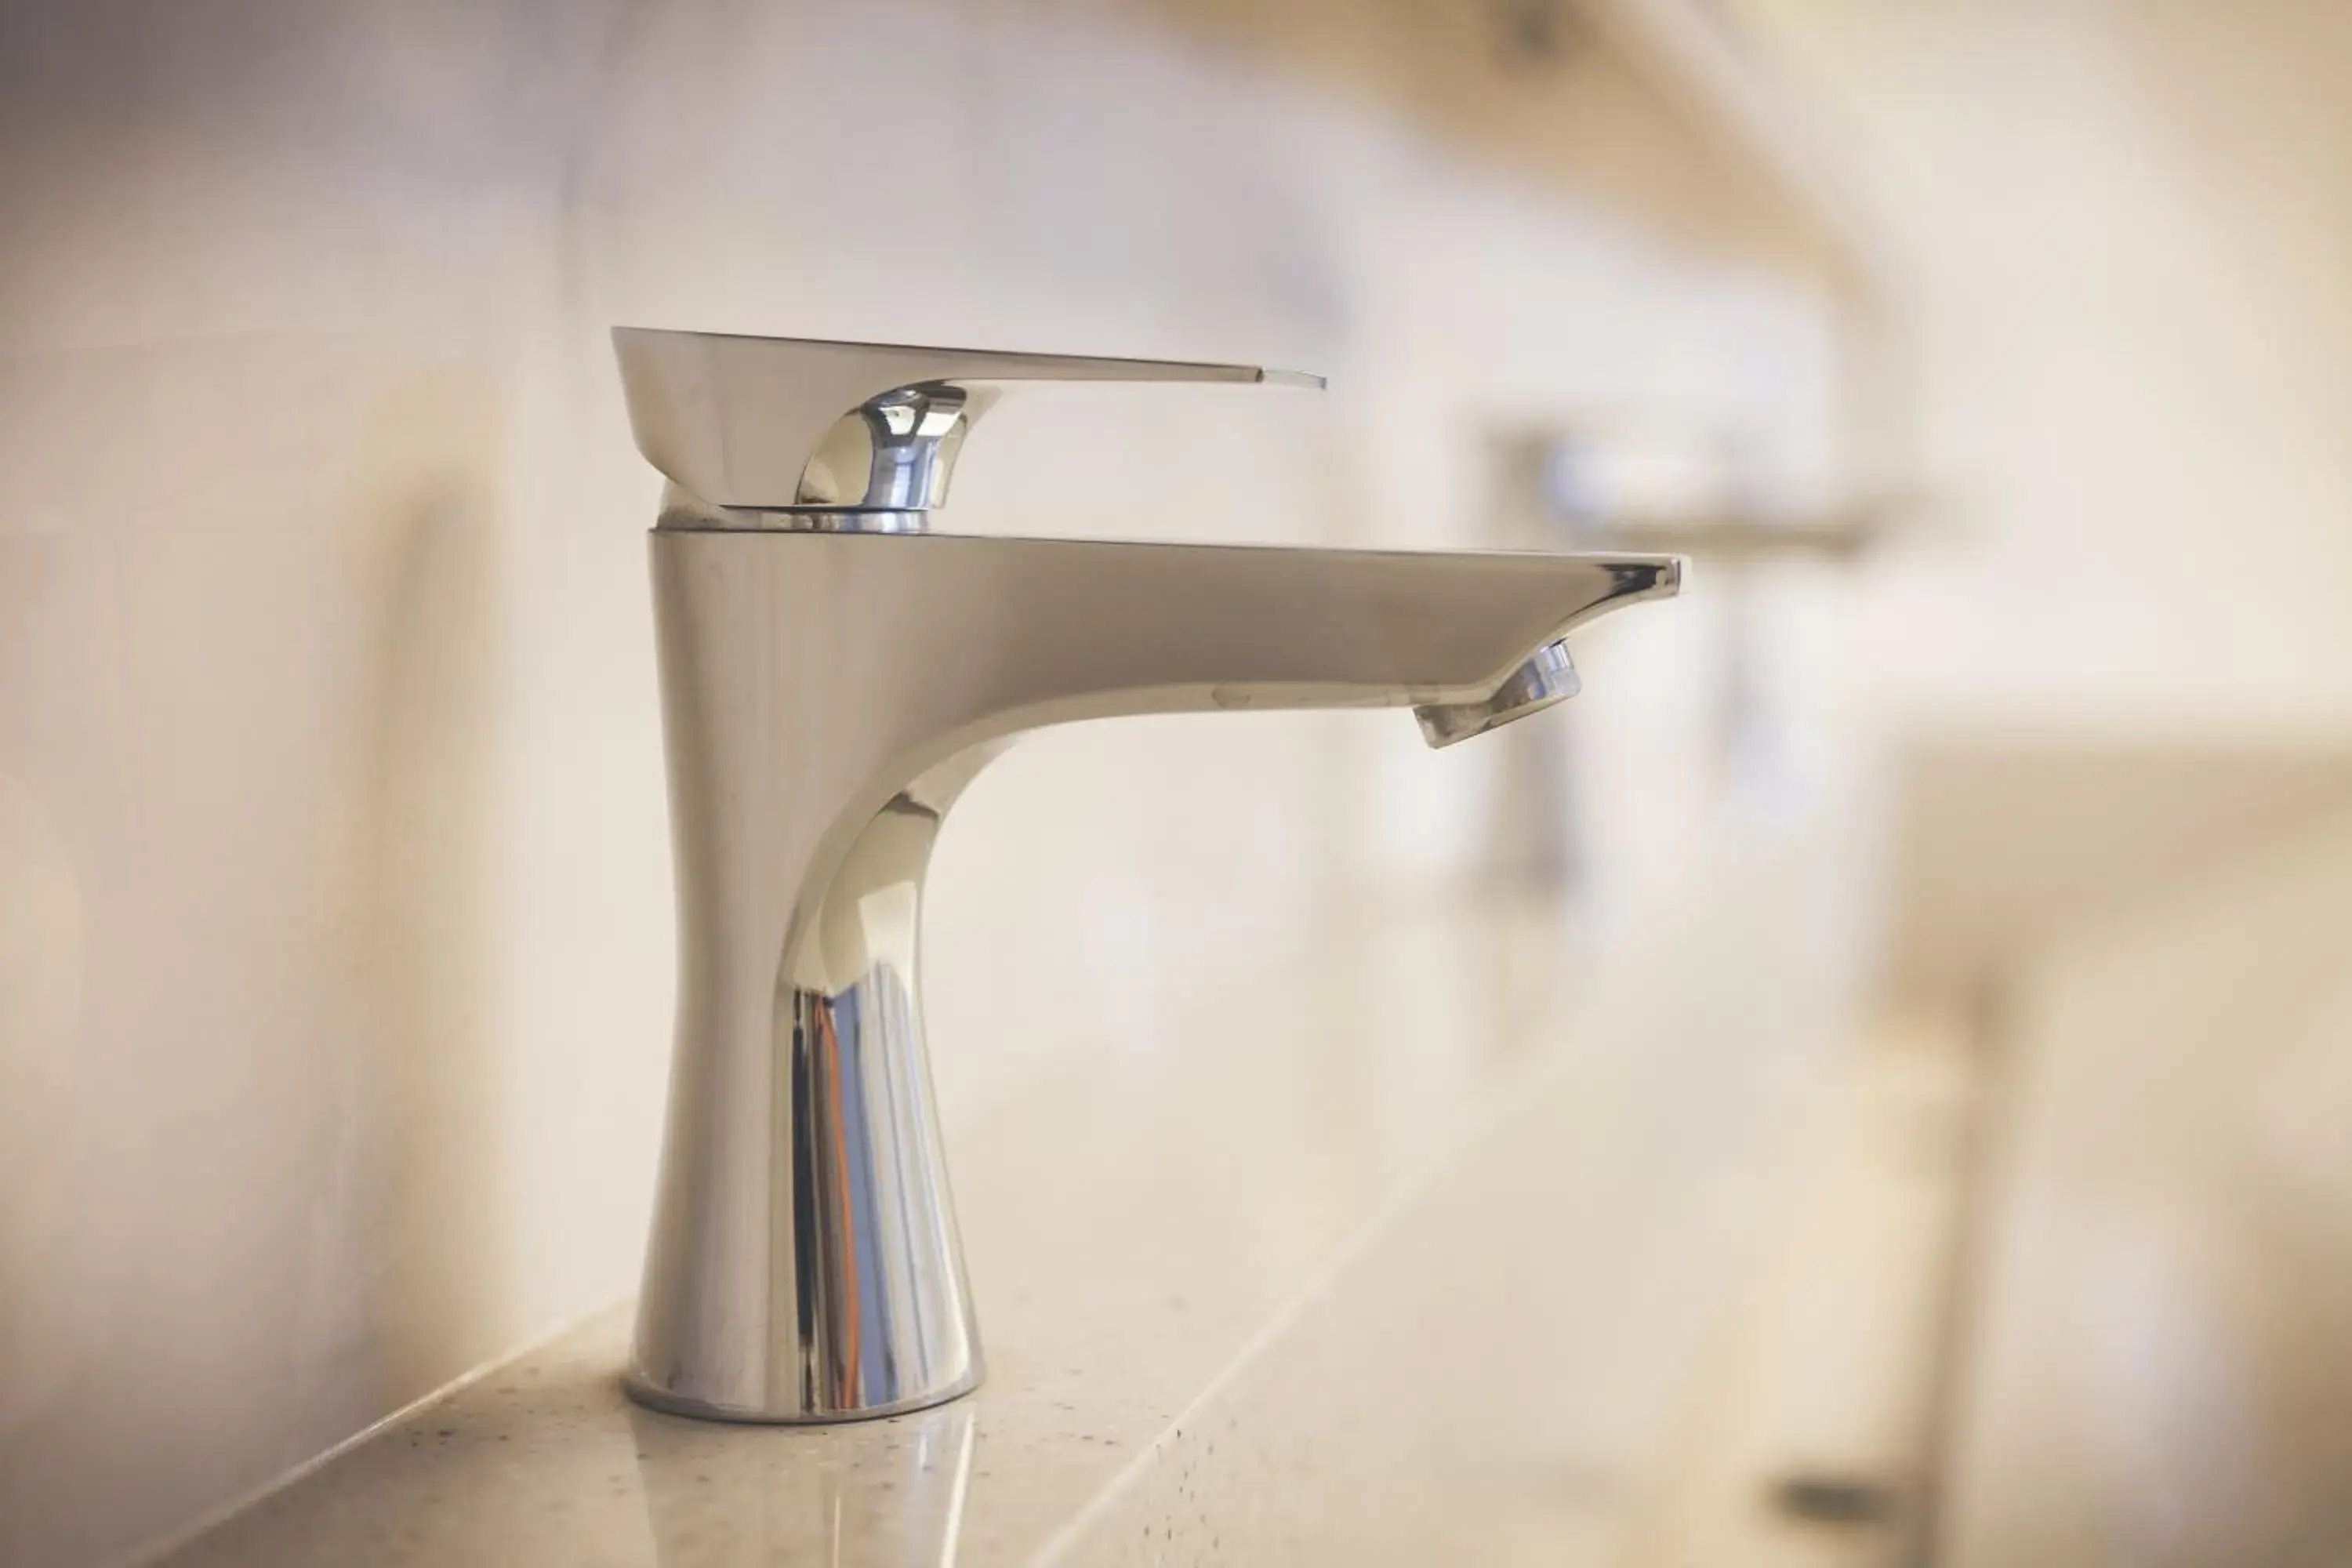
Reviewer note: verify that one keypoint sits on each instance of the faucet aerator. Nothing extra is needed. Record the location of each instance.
(1547, 677)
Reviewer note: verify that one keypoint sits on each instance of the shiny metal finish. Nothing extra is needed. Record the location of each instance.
(1545, 677)
(775, 424)
(827, 693)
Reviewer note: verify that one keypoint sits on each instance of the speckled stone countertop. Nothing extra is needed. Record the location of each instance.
(1356, 1276)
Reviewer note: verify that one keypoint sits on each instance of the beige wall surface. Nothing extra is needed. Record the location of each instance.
(2124, 233)
(334, 926)
(2162, 1371)
(2129, 239)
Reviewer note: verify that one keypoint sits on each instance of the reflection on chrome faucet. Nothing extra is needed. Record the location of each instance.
(886, 1493)
(833, 676)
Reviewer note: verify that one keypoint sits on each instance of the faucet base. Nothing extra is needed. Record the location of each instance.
(653, 1396)
(842, 1296)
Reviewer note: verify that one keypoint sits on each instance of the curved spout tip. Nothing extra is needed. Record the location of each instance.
(1547, 677)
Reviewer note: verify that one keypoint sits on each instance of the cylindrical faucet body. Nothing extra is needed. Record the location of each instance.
(827, 695)
(832, 677)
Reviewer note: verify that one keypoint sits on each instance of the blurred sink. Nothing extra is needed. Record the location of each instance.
(2007, 845)
(2056, 1260)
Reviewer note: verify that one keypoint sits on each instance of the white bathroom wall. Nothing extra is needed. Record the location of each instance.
(335, 923)
(2123, 234)
(2129, 244)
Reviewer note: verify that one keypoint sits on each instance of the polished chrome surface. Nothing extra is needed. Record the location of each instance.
(775, 425)
(681, 508)
(827, 693)
(1546, 678)
(827, 697)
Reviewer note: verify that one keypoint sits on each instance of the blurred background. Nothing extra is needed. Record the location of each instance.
(1869, 1081)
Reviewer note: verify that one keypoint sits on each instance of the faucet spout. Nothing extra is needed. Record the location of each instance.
(826, 695)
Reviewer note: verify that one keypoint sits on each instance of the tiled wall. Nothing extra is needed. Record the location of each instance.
(335, 923)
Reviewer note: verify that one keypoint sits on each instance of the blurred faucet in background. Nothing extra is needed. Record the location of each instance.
(1626, 485)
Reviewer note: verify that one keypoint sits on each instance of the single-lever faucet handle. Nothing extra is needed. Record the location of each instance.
(800, 424)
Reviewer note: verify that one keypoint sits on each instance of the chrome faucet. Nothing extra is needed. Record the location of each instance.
(833, 674)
